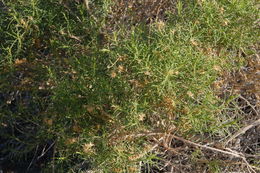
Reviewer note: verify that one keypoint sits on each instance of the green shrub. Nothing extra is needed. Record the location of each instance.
(92, 93)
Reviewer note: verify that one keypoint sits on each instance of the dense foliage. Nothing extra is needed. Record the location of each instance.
(76, 91)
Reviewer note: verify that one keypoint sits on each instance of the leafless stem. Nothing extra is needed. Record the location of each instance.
(45, 151)
(243, 130)
(226, 151)
(34, 156)
(248, 103)
(230, 152)
(207, 147)
(86, 4)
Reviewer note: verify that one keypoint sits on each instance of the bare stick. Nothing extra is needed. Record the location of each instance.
(248, 103)
(86, 4)
(33, 159)
(230, 152)
(186, 141)
(207, 147)
(243, 130)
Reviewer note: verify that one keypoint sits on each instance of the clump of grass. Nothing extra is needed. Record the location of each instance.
(103, 90)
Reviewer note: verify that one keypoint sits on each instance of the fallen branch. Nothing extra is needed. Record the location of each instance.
(227, 151)
(243, 130)
(235, 154)
(248, 103)
(230, 152)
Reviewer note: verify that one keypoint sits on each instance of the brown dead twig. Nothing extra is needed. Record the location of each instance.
(243, 130)
(86, 2)
(226, 151)
(249, 104)
(246, 128)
